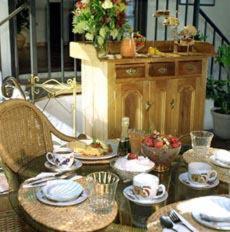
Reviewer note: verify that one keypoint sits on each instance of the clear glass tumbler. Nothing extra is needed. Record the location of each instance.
(201, 141)
(102, 190)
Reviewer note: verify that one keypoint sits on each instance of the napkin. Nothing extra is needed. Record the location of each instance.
(222, 156)
(44, 175)
(178, 227)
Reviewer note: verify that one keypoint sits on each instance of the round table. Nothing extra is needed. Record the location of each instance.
(128, 212)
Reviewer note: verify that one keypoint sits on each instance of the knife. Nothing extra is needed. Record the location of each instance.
(45, 178)
(185, 222)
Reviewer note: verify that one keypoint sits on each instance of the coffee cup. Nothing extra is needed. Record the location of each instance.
(201, 173)
(146, 186)
(62, 157)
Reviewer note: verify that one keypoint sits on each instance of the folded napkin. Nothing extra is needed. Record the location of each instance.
(4, 186)
(44, 177)
(178, 227)
(210, 218)
(222, 156)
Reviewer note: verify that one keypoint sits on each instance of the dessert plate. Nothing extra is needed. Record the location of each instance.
(183, 177)
(76, 165)
(218, 162)
(217, 218)
(62, 190)
(42, 198)
(128, 193)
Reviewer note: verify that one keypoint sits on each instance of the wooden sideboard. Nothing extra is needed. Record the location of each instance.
(166, 93)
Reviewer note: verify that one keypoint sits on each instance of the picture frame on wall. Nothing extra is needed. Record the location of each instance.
(202, 2)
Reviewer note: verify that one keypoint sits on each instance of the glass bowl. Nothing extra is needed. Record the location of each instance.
(162, 157)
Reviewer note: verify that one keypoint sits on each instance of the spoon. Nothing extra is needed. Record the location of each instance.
(167, 222)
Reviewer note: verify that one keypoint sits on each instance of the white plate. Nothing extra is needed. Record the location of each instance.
(42, 198)
(103, 157)
(218, 162)
(76, 165)
(183, 177)
(219, 206)
(128, 193)
(62, 190)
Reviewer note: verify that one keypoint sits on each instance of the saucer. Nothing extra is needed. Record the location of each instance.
(218, 162)
(42, 198)
(76, 165)
(183, 177)
(128, 193)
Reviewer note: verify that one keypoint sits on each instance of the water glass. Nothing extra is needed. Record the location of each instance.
(201, 141)
(102, 190)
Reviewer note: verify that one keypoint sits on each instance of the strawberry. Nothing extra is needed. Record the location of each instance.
(132, 156)
(148, 141)
(158, 144)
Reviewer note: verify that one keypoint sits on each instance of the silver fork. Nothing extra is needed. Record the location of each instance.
(173, 216)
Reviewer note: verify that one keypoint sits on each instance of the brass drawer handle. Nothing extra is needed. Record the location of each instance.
(190, 67)
(131, 71)
(162, 70)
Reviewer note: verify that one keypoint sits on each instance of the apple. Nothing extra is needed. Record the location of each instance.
(132, 156)
(149, 141)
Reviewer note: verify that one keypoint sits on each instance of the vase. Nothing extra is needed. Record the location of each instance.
(102, 51)
(128, 48)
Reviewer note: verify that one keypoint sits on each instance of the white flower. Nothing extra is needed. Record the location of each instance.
(89, 36)
(107, 4)
(85, 1)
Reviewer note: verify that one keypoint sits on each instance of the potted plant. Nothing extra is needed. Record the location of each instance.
(100, 21)
(221, 88)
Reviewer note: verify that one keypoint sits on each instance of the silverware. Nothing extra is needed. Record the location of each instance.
(177, 218)
(167, 222)
(55, 177)
(45, 177)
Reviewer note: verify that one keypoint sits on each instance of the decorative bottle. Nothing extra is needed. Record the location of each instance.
(124, 144)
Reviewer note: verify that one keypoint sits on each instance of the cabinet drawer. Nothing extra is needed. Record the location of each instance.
(162, 69)
(130, 71)
(190, 67)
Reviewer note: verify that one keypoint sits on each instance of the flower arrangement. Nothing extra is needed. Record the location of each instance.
(139, 40)
(100, 20)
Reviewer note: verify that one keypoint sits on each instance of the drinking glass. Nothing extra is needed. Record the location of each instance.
(201, 141)
(102, 190)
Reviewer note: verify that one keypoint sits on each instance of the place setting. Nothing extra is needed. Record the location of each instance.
(199, 176)
(221, 158)
(146, 190)
(62, 159)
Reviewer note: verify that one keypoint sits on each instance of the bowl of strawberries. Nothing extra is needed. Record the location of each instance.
(161, 149)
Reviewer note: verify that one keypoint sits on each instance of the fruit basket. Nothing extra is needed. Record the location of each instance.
(162, 150)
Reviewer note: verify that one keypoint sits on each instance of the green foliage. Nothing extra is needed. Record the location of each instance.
(219, 90)
(200, 36)
(100, 20)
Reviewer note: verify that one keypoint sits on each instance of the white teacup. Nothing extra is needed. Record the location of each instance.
(146, 186)
(61, 157)
(201, 173)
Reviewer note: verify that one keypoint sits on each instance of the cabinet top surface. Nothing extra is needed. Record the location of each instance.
(86, 51)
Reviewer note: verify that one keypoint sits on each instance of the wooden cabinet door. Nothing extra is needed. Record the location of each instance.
(131, 101)
(176, 105)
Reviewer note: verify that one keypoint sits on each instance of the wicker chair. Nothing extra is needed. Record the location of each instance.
(25, 133)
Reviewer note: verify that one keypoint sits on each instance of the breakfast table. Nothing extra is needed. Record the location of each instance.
(130, 216)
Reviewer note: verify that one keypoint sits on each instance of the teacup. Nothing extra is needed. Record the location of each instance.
(201, 173)
(146, 186)
(62, 158)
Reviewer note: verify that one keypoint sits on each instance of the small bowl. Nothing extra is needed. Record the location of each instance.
(161, 157)
(127, 175)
